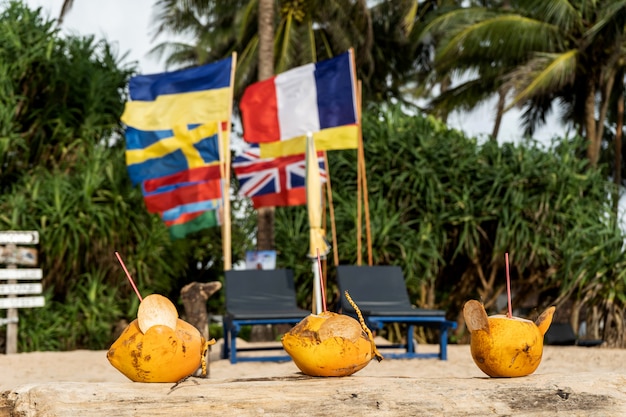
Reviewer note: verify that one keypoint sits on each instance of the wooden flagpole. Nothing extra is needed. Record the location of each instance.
(359, 209)
(225, 149)
(359, 227)
(329, 197)
(362, 180)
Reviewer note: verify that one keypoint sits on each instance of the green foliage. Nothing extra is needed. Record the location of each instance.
(85, 320)
(447, 208)
(63, 173)
(216, 331)
(51, 88)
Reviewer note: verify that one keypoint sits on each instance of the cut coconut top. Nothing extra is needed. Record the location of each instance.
(156, 309)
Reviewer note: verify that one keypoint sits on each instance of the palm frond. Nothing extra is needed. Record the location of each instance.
(560, 13)
(610, 15)
(498, 39)
(465, 96)
(544, 73)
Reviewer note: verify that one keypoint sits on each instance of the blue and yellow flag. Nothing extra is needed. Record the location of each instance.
(167, 152)
(187, 97)
(175, 125)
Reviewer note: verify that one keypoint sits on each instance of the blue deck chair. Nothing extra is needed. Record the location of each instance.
(381, 295)
(254, 297)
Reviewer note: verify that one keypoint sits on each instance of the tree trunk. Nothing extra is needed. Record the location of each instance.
(605, 98)
(619, 131)
(499, 114)
(574, 319)
(265, 228)
(593, 147)
(265, 215)
(65, 8)
(444, 86)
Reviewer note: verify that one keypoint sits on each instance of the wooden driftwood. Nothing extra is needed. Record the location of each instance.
(195, 297)
(299, 395)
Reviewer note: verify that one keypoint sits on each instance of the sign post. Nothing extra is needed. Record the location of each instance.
(12, 255)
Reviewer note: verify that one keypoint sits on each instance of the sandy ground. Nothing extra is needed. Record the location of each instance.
(93, 366)
(596, 375)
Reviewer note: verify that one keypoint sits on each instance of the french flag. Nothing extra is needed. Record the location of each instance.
(304, 99)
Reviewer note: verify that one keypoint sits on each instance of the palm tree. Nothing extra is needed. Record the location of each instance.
(265, 215)
(569, 53)
(300, 32)
(303, 31)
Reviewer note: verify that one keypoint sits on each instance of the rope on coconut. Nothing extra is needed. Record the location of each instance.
(204, 352)
(366, 329)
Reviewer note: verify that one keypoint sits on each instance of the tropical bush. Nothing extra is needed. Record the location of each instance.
(447, 208)
(63, 173)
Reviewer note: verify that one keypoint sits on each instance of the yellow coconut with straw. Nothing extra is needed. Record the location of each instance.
(504, 345)
(151, 349)
(158, 346)
(330, 344)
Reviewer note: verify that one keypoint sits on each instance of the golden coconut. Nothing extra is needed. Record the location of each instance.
(160, 354)
(505, 346)
(329, 344)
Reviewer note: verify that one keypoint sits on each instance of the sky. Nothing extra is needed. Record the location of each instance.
(126, 24)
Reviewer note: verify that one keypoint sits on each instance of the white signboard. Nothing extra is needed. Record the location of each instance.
(25, 237)
(22, 302)
(15, 289)
(9, 321)
(25, 273)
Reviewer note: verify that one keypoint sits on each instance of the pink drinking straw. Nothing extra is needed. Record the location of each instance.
(119, 258)
(319, 264)
(508, 285)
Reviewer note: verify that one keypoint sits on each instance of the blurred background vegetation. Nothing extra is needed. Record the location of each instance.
(443, 206)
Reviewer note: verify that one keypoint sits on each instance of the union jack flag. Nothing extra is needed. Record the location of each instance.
(273, 181)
